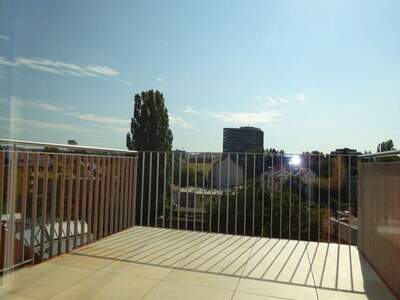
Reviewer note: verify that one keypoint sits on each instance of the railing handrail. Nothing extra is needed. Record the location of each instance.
(381, 154)
(65, 146)
(252, 153)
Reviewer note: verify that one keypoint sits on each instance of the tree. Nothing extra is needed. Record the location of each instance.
(385, 146)
(290, 213)
(150, 131)
(150, 124)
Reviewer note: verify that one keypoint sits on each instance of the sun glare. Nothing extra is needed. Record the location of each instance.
(295, 160)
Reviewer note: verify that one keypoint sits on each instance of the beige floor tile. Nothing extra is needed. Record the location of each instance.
(345, 264)
(230, 260)
(274, 289)
(203, 279)
(170, 290)
(170, 254)
(247, 296)
(80, 261)
(42, 281)
(9, 296)
(355, 285)
(208, 253)
(133, 245)
(154, 248)
(325, 294)
(104, 285)
(136, 269)
(120, 236)
(178, 254)
(273, 260)
(174, 256)
(202, 250)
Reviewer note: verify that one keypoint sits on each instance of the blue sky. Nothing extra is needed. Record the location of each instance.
(314, 75)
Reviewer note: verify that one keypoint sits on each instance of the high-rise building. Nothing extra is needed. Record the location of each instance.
(243, 139)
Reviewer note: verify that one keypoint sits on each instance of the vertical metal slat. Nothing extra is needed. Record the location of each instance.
(96, 200)
(23, 203)
(172, 189)
(63, 171)
(53, 204)
(157, 179)
(219, 192)
(77, 198)
(187, 189)
(102, 196)
(134, 189)
(84, 201)
(117, 196)
(254, 194)
(34, 203)
(107, 198)
(164, 189)
(149, 188)
(90, 201)
(44, 204)
(121, 194)
(126, 179)
(112, 197)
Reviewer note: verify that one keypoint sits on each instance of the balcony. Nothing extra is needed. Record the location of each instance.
(159, 225)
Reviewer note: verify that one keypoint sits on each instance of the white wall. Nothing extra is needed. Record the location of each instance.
(224, 174)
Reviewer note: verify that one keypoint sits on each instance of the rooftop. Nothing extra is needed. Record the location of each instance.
(280, 239)
(157, 263)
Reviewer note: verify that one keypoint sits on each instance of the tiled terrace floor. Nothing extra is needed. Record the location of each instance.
(152, 263)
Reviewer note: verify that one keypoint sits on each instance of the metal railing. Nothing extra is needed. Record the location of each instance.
(53, 202)
(15, 144)
(58, 197)
(310, 197)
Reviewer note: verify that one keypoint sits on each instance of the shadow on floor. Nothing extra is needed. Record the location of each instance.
(329, 267)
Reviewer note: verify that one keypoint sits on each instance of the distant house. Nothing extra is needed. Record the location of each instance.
(188, 201)
(228, 169)
(274, 179)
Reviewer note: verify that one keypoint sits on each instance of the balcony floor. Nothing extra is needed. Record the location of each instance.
(150, 263)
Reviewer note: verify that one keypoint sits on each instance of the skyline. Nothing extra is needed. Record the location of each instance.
(312, 76)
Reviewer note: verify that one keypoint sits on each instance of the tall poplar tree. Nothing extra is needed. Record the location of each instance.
(150, 129)
(151, 136)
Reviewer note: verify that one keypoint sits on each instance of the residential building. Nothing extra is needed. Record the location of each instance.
(243, 139)
(228, 172)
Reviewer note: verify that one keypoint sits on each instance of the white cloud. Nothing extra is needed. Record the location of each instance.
(62, 68)
(283, 99)
(36, 105)
(178, 121)
(189, 110)
(6, 62)
(104, 122)
(102, 70)
(246, 118)
(4, 37)
(116, 125)
(301, 98)
(123, 82)
(100, 119)
(29, 124)
(159, 79)
(271, 101)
